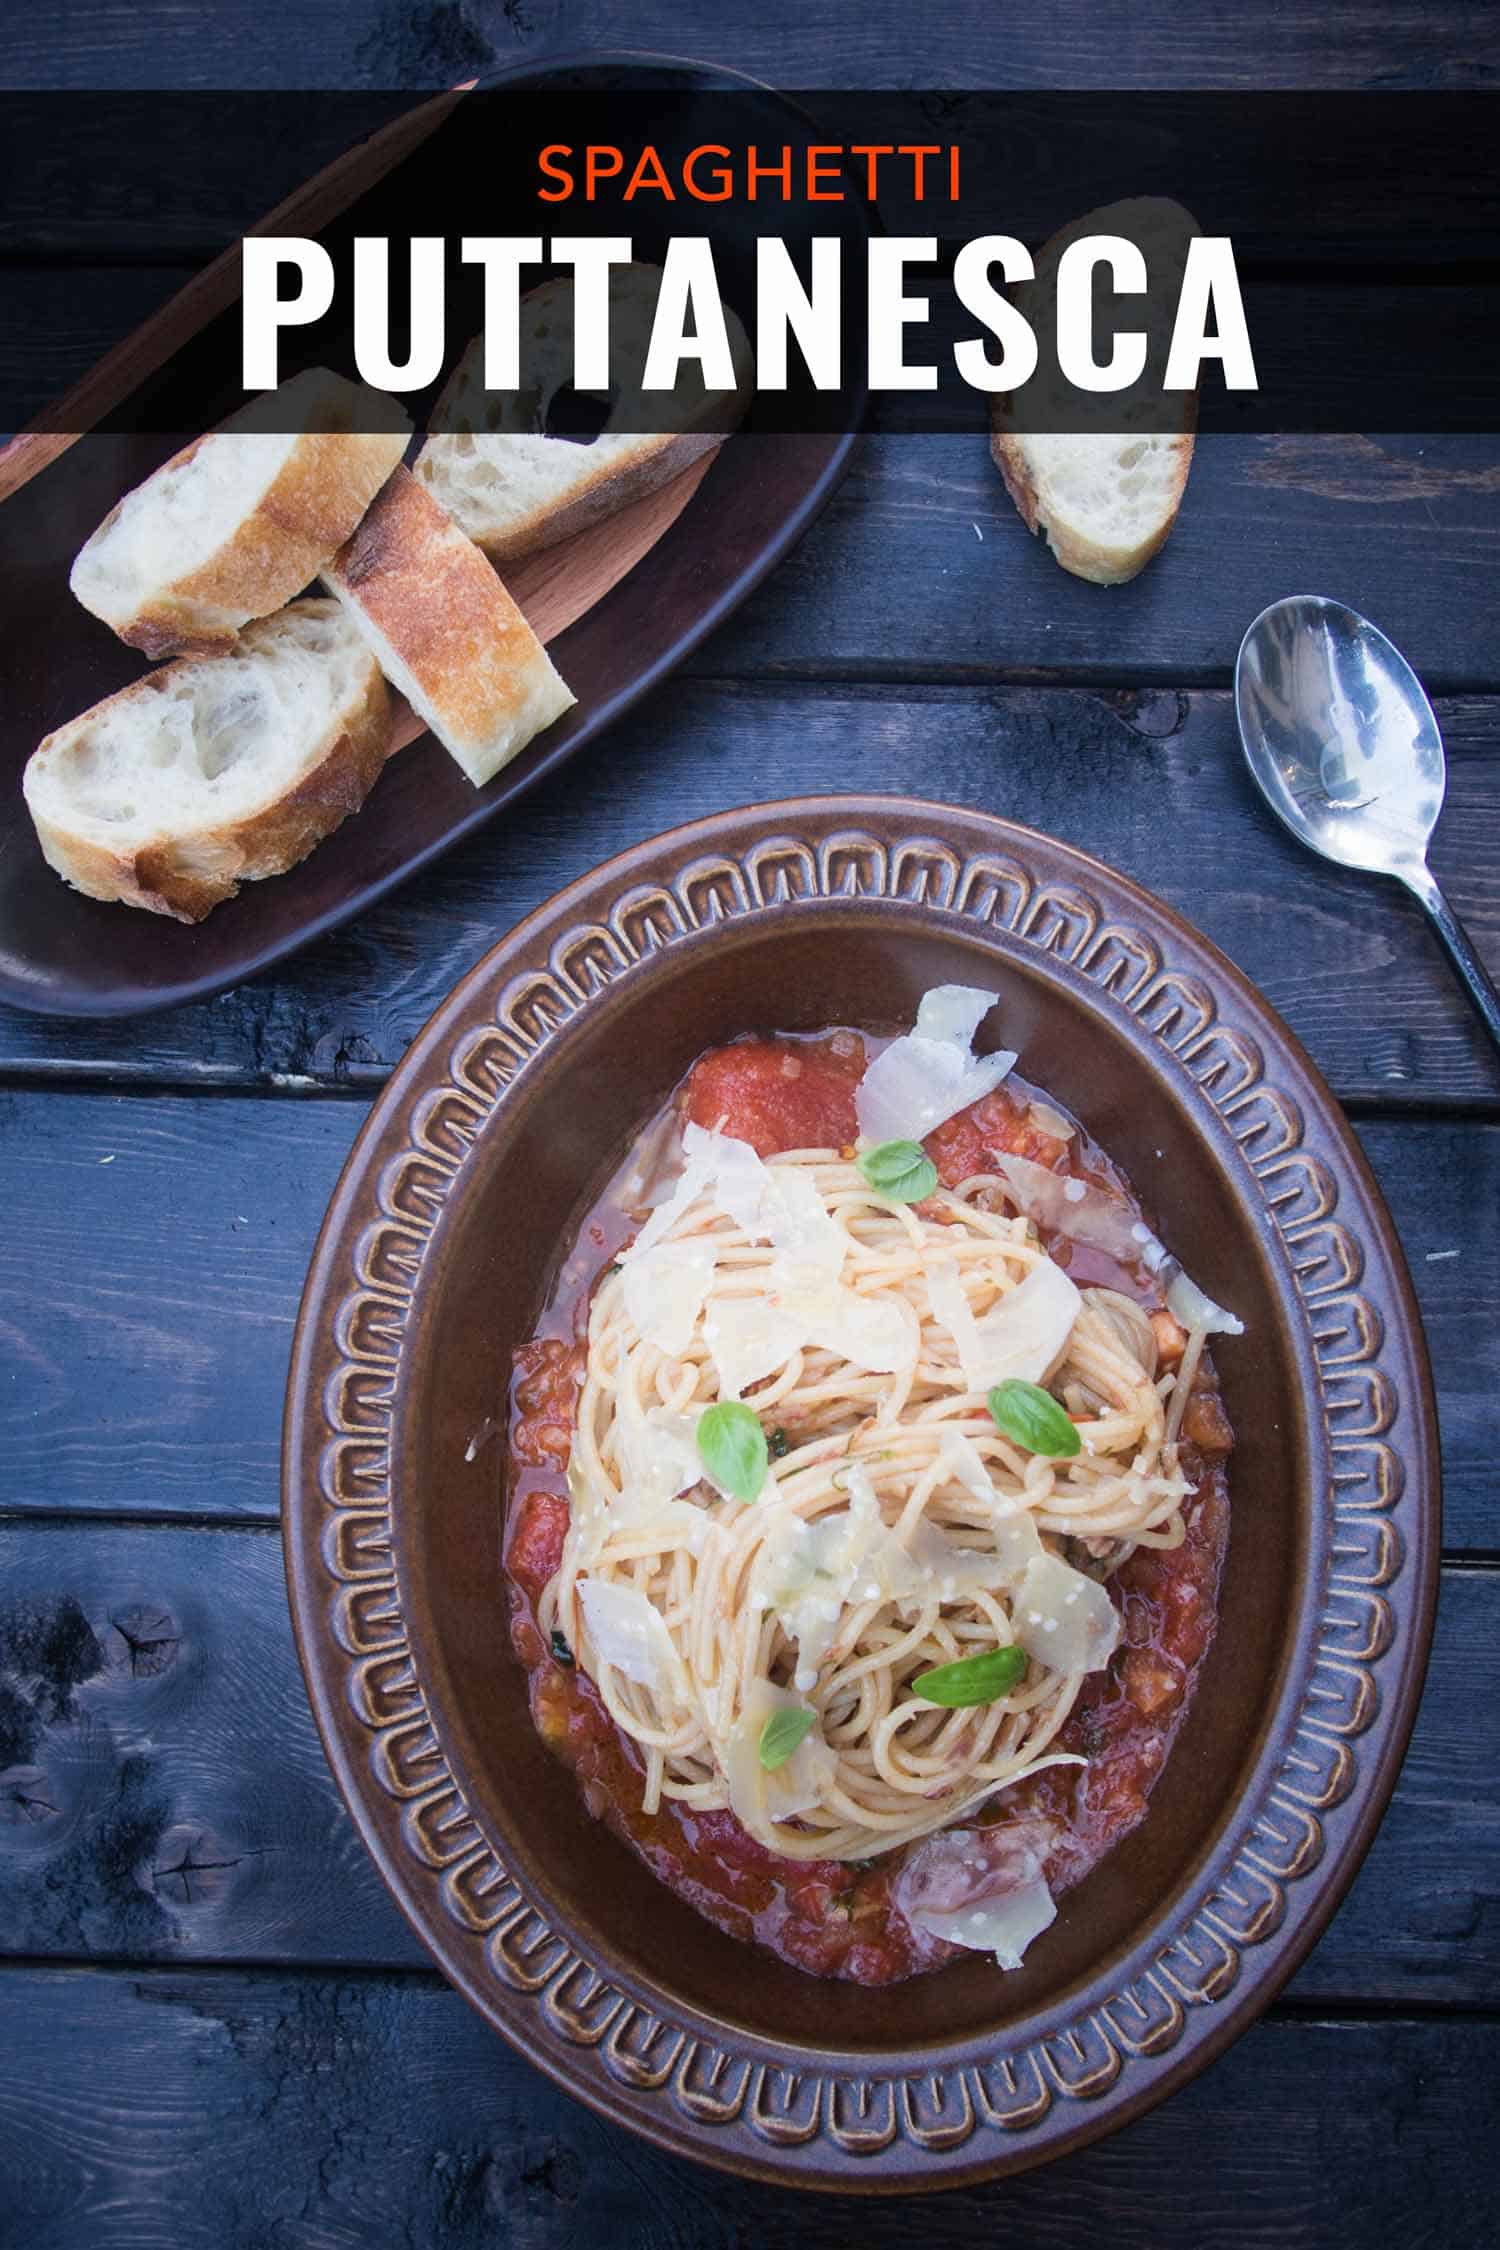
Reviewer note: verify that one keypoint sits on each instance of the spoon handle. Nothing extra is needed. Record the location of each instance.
(1459, 946)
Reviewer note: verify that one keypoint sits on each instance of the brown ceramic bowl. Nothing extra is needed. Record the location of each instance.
(434, 1258)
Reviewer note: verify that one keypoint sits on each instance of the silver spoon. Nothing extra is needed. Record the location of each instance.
(1345, 750)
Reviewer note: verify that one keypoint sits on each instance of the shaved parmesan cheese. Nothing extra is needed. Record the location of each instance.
(656, 1458)
(695, 1176)
(1086, 1214)
(738, 1175)
(657, 1454)
(1022, 1336)
(1187, 1303)
(1048, 1120)
(809, 1242)
(775, 1203)
(748, 1339)
(665, 1286)
(950, 1308)
(961, 1458)
(810, 1573)
(880, 1334)
(1064, 1619)
(1017, 1544)
(813, 1574)
(919, 1082)
(751, 1337)
(1026, 1333)
(952, 1012)
(981, 1888)
(1004, 1926)
(757, 1798)
(1014, 1533)
(1051, 1200)
(627, 1633)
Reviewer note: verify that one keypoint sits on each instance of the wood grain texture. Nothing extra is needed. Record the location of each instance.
(792, 42)
(163, 1795)
(1151, 781)
(921, 566)
(158, 1386)
(215, 2111)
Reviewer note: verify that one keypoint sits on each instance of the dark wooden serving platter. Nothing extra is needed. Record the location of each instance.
(623, 603)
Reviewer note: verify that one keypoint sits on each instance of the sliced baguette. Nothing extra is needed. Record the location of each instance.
(1105, 501)
(514, 489)
(215, 771)
(445, 631)
(242, 519)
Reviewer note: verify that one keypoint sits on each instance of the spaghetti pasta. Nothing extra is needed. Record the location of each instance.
(899, 1530)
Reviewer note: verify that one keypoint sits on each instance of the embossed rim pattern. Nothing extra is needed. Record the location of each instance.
(1232, 1934)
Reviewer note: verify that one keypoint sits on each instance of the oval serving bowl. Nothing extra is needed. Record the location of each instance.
(432, 1264)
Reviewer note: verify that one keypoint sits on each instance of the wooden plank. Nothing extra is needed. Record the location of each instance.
(156, 1385)
(1422, 1921)
(1109, 43)
(163, 1796)
(60, 319)
(1442, 1183)
(920, 567)
(1151, 781)
(162, 1791)
(149, 1380)
(199, 2110)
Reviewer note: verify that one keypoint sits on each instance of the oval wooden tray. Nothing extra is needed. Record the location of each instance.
(622, 605)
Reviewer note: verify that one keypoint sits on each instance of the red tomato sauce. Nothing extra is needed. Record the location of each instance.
(837, 1918)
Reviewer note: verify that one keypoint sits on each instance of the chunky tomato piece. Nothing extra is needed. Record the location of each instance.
(538, 1529)
(997, 1125)
(778, 1094)
(548, 1375)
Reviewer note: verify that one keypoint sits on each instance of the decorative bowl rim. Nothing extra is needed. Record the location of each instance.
(1252, 1908)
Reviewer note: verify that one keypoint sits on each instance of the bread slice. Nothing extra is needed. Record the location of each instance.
(1106, 501)
(513, 488)
(215, 771)
(445, 631)
(242, 519)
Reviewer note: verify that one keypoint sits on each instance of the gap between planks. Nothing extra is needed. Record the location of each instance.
(1323, 2013)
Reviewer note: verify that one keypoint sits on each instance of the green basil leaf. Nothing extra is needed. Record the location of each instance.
(973, 1679)
(782, 1733)
(901, 1171)
(1032, 1416)
(732, 1447)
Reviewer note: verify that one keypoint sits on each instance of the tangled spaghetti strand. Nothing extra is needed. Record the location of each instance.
(918, 1542)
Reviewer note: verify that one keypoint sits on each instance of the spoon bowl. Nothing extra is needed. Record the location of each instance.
(1344, 747)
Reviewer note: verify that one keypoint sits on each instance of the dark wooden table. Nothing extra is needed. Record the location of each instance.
(214, 2029)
